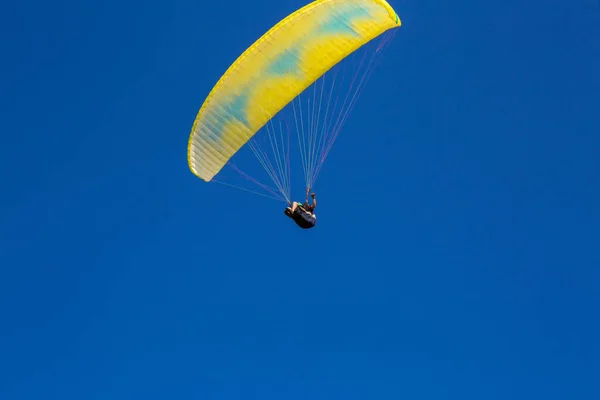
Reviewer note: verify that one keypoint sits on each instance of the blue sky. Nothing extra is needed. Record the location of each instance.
(456, 255)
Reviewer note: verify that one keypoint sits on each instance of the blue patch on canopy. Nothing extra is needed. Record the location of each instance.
(341, 23)
(238, 105)
(285, 63)
(235, 108)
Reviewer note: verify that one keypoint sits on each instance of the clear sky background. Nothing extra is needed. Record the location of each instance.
(457, 250)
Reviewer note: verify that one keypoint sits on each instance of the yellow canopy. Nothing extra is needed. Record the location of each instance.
(277, 68)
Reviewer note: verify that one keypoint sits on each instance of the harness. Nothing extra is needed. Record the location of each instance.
(303, 218)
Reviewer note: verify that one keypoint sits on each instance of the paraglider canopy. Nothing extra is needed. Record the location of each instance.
(275, 69)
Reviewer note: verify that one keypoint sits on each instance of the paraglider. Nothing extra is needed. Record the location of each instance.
(303, 214)
(271, 75)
